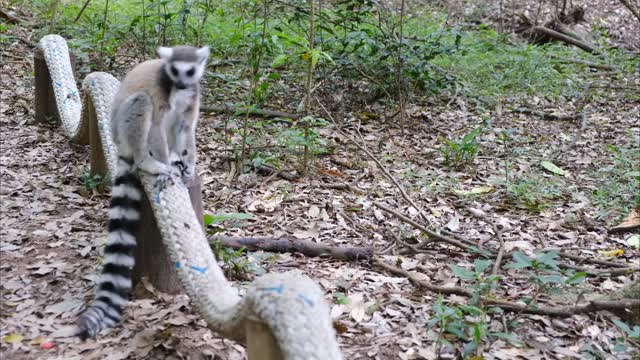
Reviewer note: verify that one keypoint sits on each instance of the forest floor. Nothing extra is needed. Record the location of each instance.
(53, 228)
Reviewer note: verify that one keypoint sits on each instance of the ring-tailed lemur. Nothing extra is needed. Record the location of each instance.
(155, 112)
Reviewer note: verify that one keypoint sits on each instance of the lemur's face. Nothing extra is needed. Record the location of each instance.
(184, 64)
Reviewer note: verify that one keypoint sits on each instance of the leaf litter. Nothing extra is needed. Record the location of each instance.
(52, 231)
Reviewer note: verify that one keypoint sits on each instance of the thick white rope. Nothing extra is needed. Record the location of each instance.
(290, 304)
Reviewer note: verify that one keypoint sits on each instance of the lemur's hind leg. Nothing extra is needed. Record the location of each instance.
(144, 140)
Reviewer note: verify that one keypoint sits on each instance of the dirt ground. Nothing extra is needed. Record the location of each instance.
(52, 229)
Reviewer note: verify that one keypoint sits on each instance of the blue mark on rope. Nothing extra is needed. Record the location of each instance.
(178, 265)
(199, 269)
(58, 84)
(306, 300)
(276, 289)
(158, 198)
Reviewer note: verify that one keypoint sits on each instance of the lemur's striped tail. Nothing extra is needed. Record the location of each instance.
(114, 284)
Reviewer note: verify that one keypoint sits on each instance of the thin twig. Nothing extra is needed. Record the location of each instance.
(81, 11)
(498, 235)
(585, 63)
(551, 310)
(226, 109)
(421, 227)
(372, 157)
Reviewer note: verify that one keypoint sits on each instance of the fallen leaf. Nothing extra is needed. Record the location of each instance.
(634, 241)
(312, 232)
(612, 253)
(632, 221)
(313, 212)
(551, 167)
(454, 223)
(475, 191)
(12, 338)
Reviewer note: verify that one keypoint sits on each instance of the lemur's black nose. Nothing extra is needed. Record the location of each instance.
(180, 85)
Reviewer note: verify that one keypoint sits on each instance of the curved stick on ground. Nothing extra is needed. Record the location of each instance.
(289, 306)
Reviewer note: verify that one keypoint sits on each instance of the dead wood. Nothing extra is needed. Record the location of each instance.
(620, 270)
(293, 245)
(10, 17)
(565, 38)
(550, 310)
(545, 115)
(585, 63)
(283, 174)
(342, 186)
(632, 221)
(225, 109)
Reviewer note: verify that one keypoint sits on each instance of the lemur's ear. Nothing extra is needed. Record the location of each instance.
(165, 52)
(203, 53)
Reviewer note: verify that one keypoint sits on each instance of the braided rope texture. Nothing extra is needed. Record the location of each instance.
(290, 304)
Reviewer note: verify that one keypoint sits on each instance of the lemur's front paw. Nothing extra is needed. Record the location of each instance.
(166, 178)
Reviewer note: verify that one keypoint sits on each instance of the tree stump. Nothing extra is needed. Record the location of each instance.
(46, 110)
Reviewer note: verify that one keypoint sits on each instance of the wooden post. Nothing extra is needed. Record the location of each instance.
(44, 100)
(98, 160)
(152, 260)
(261, 345)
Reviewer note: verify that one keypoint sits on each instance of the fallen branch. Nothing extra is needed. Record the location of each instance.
(343, 186)
(550, 310)
(568, 39)
(283, 174)
(11, 18)
(292, 245)
(607, 272)
(545, 115)
(462, 245)
(447, 290)
(225, 109)
(585, 63)
(581, 259)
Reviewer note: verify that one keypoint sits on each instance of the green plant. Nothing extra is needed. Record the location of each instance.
(469, 324)
(461, 152)
(237, 265)
(91, 183)
(303, 135)
(210, 221)
(618, 187)
(628, 333)
(536, 193)
(544, 273)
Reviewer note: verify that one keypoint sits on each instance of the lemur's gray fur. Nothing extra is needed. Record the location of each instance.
(153, 121)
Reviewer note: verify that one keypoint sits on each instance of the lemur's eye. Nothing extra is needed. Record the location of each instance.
(184, 153)
(191, 71)
(174, 71)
